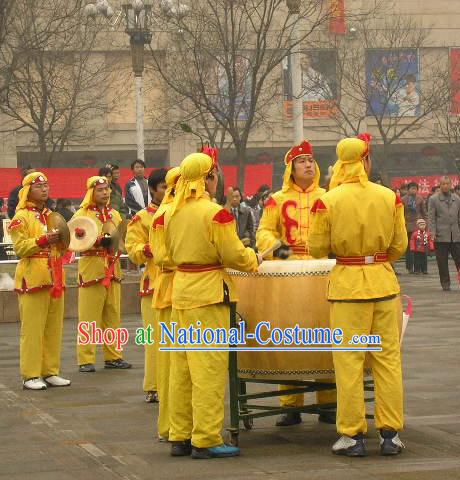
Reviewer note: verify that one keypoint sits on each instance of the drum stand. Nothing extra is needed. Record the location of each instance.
(243, 411)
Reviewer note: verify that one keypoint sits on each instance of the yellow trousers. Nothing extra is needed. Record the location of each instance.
(297, 400)
(197, 383)
(41, 334)
(165, 316)
(376, 318)
(101, 305)
(150, 351)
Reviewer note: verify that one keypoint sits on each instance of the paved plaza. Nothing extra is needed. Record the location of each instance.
(100, 428)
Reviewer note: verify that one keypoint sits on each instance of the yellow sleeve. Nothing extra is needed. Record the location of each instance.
(232, 252)
(136, 239)
(319, 236)
(399, 241)
(24, 245)
(269, 231)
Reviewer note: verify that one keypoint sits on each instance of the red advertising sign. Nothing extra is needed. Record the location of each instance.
(337, 20)
(425, 183)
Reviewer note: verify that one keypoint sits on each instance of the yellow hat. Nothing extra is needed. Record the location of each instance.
(193, 171)
(349, 166)
(28, 180)
(91, 183)
(171, 180)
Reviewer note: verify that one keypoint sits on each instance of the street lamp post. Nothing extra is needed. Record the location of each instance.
(137, 15)
(296, 72)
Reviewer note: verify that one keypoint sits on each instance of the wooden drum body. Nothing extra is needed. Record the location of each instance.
(285, 293)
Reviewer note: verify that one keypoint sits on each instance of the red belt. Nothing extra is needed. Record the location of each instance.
(43, 254)
(379, 257)
(93, 253)
(196, 268)
(298, 249)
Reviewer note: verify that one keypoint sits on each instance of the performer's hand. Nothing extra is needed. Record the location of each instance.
(105, 241)
(260, 259)
(246, 241)
(282, 252)
(53, 237)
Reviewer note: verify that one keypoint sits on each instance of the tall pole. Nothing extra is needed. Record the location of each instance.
(137, 53)
(296, 73)
(139, 117)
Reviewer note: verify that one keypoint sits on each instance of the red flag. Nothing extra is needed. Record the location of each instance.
(337, 20)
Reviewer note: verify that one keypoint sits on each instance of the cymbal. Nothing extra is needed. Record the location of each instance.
(122, 228)
(117, 234)
(83, 233)
(55, 221)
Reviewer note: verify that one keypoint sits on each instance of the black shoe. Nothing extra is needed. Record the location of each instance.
(390, 443)
(350, 446)
(181, 449)
(118, 363)
(329, 418)
(87, 368)
(289, 419)
(151, 397)
(446, 288)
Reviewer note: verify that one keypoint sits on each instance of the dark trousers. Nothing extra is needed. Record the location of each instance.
(420, 262)
(442, 250)
(409, 255)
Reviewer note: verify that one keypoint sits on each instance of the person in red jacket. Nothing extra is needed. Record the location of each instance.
(421, 244)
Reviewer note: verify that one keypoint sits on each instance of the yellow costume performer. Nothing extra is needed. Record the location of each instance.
(140, 252)
(286, 217)
(201, 240)
(99, 277)
(162, 302)
(39, 283)
(363, 225)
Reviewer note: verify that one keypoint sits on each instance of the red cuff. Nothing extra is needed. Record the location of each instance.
(147, 251)
(97, 243)
(42, 241)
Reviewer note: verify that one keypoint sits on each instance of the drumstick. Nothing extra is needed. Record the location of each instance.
(270, 250)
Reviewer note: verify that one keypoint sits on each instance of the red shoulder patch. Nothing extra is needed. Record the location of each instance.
(135, 219)
(14, 224)
(270, 203)
(398, 201)
(223, 217)
(159, 221)
(318, 205)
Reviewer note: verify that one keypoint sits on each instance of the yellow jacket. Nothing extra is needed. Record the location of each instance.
(162, 296)
(286, 217)
(93, 264)
(357, 219)
(27, 230)
(139, 249)
(203, 233)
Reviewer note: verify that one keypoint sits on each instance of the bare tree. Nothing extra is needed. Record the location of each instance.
(378, 80)
(56, 83)
(225, 60)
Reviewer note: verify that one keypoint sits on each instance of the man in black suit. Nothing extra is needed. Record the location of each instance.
(243, 217)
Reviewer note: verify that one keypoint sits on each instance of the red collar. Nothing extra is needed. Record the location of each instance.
(41, 214)
(152, 208)
(103, 215)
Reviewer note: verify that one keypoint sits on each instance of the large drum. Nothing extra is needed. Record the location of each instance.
(285, 293)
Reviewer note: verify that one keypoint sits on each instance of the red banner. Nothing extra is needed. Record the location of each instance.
(425, 183)
(257, 175)
(337, 20)
(455, 80)
(71, 182)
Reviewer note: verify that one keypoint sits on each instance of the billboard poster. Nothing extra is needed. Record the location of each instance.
(393, 83)
(455, 80)
(319, 83)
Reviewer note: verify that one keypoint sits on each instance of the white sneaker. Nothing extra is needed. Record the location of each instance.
(56, 381)
(35, 383)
